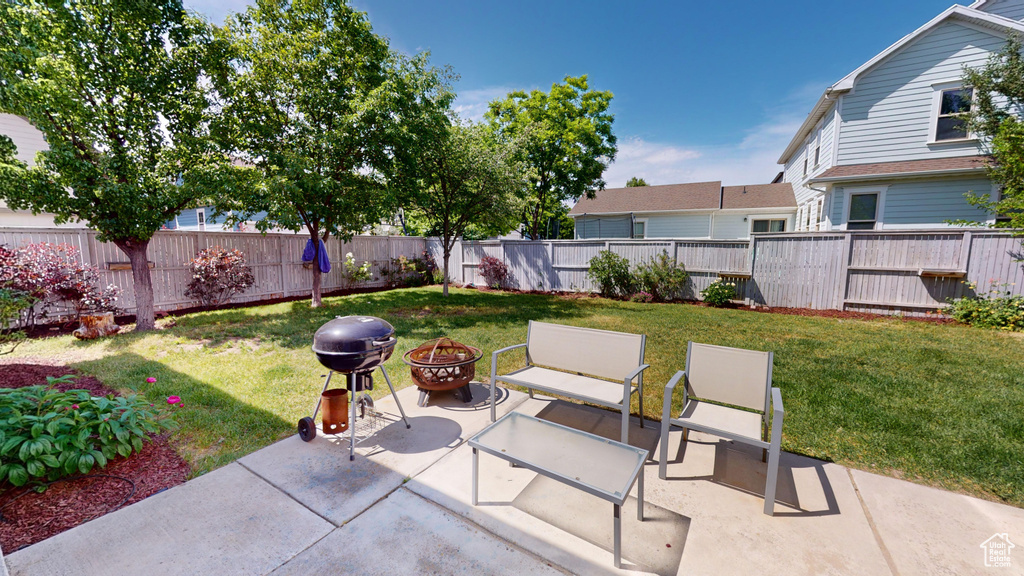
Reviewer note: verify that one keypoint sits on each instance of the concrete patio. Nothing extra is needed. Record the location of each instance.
(403, 507)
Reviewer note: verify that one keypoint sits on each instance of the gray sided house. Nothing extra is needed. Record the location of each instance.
(695, 210)
(886, 148)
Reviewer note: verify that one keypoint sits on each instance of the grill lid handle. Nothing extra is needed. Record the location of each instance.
(384, 342)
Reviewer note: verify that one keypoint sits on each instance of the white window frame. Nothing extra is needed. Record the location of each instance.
(632, 231)
(820, 204)
(201, 218)
(933, 127)
(879, 209)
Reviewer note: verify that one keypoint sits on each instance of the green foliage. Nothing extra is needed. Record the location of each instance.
(354, 273)
(46, 433)
(123, 94)
(998, 308)
(661, 277)
(719, 292)
(410, 272)
(329, 116)
(635, 182)
(999, 95)
(469, 181)
(12, 304)
(611, 274)
(567, 142)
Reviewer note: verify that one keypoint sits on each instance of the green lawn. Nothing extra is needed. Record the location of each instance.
(940, 404)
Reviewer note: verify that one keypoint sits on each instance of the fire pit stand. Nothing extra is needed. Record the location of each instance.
(443, 364)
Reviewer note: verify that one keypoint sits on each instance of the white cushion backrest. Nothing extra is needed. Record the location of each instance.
(729, 375)
(601, 353)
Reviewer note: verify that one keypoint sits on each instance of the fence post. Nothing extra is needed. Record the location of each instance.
(844, 270)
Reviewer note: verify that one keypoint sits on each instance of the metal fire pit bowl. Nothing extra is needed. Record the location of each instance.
(443, 364)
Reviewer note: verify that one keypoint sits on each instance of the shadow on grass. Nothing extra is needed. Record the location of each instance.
(420, 314)
(216, 428)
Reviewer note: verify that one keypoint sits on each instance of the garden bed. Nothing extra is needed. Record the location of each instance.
(26, 517)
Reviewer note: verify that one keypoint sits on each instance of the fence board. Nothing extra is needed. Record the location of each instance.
(863, 270)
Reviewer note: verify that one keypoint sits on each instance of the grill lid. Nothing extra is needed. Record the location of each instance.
(353, 334)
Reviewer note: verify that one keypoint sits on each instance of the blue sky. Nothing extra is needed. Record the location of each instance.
(703, 91)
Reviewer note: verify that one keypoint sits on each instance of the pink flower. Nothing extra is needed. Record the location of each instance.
(173, 399)
(151, 380)
(74, 406)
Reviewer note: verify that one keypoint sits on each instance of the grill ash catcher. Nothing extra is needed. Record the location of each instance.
(354, 346)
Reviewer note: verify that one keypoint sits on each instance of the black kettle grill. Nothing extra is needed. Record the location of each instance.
(354, 346)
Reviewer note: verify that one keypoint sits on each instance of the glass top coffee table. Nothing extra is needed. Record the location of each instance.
(596, 465)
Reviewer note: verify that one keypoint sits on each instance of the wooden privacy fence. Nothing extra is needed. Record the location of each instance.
(276, 260)
(909, 273)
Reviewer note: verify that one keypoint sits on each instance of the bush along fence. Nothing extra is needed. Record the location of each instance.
(887, 272)
(275, 261)
(909, 273)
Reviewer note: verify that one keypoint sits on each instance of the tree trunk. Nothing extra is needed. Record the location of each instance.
(447, 254)
(145, 316)
(317, 300)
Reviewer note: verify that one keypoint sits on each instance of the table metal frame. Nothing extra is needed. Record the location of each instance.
(636, 476)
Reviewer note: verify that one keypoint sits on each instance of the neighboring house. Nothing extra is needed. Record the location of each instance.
(29, 141)
(695, 210)
(886, 147)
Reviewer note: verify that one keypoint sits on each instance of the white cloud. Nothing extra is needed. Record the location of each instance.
(752, 159)
(472, 104)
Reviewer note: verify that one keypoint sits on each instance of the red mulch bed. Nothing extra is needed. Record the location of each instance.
(26, 517)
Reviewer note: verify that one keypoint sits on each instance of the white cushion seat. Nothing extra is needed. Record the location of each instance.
(707, 416)
(573, 385)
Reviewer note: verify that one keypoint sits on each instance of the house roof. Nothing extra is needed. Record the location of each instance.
(778, 195)
(904, 169)
(691, 196)
(997, 24)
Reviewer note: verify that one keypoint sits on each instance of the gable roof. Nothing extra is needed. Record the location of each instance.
(779, 195)
(691, 196)
(909, 168)
(996, 24)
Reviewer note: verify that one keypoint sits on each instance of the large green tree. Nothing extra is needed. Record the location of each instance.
(995, 116)
(328, 114)
(635, 182)
(469, 176)
(567, 141)
(122, 92)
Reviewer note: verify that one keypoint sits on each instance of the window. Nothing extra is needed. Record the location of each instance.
(951, 121)
(821, 212)
(639, 228)
(201, 218)
(771, 225)
(817, 154)
(863, 211)
(805, 166)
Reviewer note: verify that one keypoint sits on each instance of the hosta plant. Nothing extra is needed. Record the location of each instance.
(46, 434)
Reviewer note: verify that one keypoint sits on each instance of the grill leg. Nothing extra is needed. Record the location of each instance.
(424, 398)
(351, 377)
(395, 396)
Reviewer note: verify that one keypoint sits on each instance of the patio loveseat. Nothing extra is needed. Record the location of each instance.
(595, 366)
